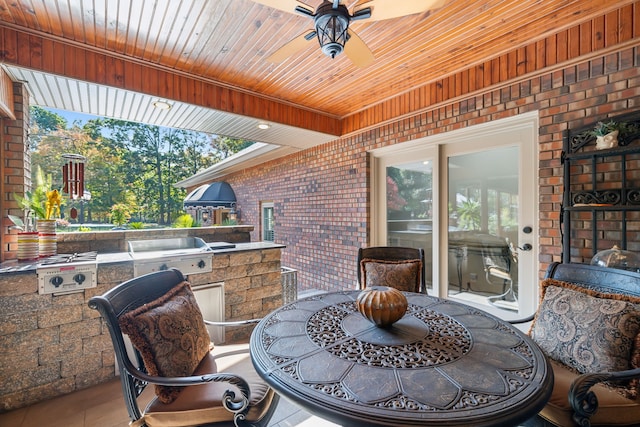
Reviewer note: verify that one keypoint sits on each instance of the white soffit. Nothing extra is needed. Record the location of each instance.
(53, 91)
(250, 156)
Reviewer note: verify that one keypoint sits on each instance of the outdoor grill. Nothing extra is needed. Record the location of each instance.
(67, 273)
(190, 255)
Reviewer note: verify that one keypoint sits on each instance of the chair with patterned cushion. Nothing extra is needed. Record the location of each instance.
(195, 382)
(397, 267)
(588, 325)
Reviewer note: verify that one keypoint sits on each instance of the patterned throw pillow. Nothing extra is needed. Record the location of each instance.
(587, 331)
(402, 275)
(171, 336)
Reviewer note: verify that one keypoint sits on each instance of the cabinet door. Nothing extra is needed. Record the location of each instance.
(210, 299)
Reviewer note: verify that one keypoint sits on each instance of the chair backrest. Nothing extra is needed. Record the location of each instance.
(393, 253)
(122, 299)
(601, 279)
(497, 256)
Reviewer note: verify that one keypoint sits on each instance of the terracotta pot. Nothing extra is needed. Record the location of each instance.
(382, 305)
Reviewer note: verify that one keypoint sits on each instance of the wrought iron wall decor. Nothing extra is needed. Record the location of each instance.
(601, 189)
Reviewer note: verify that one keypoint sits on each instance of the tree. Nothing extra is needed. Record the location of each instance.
(129, 163)
(225, 146)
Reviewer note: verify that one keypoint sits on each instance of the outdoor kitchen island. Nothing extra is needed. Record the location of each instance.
(53, 344)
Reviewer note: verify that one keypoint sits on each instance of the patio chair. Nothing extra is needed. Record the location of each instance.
(500, 262)
(588, 325)
(397, 267)
(194, 384)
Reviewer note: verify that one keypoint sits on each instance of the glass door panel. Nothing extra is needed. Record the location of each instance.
(409, 208)
(483, 203)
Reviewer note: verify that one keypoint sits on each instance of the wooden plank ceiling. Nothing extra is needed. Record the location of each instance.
(226, 42)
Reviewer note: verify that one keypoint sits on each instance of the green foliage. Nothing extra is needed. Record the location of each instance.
(230, 222)
(184, 221)
(128, 163)
(409, 191)
(604, 128)
(120, 214)
(137, 225)
(46, 120)
(34, 203)
(18, 223)
(469, 215)
(84, 229)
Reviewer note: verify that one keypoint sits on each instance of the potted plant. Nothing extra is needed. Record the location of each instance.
(606, 134)
(42, 206)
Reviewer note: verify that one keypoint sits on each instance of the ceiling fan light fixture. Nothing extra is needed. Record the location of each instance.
(331, 26)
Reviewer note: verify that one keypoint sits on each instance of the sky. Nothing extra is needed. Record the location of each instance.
(71, 117)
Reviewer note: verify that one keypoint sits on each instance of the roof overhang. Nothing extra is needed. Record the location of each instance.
(251, 156)
(63, 93)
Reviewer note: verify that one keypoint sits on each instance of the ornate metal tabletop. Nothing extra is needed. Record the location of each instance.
(442, 364)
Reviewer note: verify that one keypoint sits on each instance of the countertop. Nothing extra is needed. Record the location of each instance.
(15, 266)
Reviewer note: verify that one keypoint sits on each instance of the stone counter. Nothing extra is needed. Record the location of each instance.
(116, 240)
(53, 345)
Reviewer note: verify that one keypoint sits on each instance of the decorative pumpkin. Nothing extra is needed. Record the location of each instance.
(382, 305)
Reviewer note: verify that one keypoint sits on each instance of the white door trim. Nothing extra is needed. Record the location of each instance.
(521, 130)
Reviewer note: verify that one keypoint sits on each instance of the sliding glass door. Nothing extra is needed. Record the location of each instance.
(483, 206)
(469, 199)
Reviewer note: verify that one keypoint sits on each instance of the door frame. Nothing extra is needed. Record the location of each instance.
(521, 130)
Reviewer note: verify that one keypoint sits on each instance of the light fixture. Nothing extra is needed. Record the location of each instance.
(234, 214)
(331, 24)
(264, 126)
(163, 105)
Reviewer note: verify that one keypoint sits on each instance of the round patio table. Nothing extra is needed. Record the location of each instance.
(442, 364)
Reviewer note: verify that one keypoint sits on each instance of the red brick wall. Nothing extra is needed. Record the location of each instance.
(321, 195)
(16, 167)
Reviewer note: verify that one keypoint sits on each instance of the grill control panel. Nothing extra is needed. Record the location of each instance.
(66, 279)
(187, 264)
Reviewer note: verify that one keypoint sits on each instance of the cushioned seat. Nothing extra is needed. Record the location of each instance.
(588, 325)
(202, 404)
(613, 408)
(196, 384)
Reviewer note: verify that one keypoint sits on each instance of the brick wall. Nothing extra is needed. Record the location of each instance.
(16, 165)
(320, 195)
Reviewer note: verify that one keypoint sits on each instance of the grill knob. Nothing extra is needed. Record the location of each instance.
(79, 278)
(56, 281)
(201, 264)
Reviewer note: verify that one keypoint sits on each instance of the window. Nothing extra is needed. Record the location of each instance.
(267, 222)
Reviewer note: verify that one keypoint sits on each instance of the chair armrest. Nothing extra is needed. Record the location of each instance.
(529, 318)
(235, 323)
(237, 405)
(584, 401)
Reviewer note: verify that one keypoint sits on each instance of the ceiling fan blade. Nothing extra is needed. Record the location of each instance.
(357, 51)
(285, 5)
(388, 9)
(293, 46)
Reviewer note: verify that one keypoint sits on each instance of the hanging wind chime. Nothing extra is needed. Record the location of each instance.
(73, 178)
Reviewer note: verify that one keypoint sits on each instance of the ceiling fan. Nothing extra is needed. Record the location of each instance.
(331, 24)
